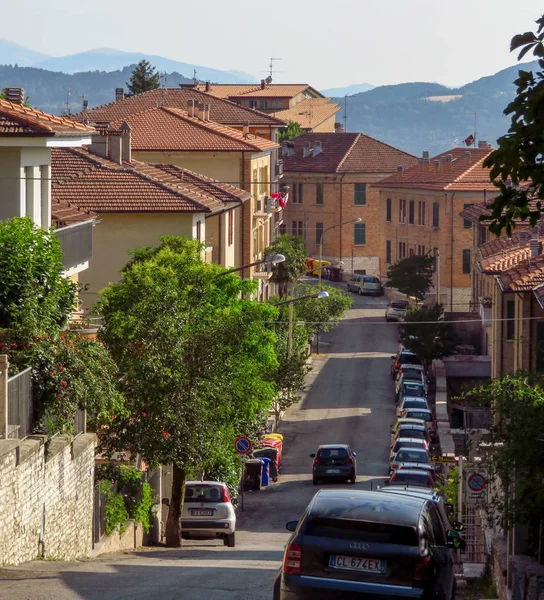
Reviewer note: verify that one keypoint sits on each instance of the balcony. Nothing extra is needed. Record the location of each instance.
(260, 209)
(76, 242)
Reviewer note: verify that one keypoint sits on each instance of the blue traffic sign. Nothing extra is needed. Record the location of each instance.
(242, 445)
(476, 482)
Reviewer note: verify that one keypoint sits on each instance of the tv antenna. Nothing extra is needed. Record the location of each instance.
(272, 70)
(66, 110)
(162, 83)
(195, 79)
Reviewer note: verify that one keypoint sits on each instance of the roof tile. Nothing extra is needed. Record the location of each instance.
(309, 113)
(251, 90)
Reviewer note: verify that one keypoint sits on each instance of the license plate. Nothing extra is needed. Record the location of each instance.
(201, 512)
(355, 563)
(333, 471)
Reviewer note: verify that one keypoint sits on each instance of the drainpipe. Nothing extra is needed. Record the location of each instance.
(341, 215)
(451, 256)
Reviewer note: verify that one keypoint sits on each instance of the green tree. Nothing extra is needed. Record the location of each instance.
(292, 131)
(194, 357)
(516, 166)
(288, 272)
(144, 78)
(425, 333)
(412, 275)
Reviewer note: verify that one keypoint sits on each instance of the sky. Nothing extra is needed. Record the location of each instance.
(321, 42)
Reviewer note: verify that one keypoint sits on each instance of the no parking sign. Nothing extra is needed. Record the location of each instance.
(476, 487)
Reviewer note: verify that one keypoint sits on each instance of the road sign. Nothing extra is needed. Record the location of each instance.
(242, 445)
(475, 487)
(444, 459)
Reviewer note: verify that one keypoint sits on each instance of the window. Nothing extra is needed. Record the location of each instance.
(199, 231)
(436, 214)
(482, 235)
(402, 211)
(252, 104)
(297, 193)
(359, 194)
(421, 250)
(510, 319)
(318, 233)
(263, 183)
(319, 193)
(388, 209)
(466, 261)
(295, 223)
(402, 250)
(359, 234)
(411, 212)
(230, 227)
(411, 252)
(388, 252)
(421, 213)
(300, 231)
(466, 223)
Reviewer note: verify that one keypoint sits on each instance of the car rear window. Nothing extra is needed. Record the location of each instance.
(332, 453)
(202, 493)
(351, 529)
(401, 305)
(407, 455)
(414, 403)
(418, 433)
(410, 359)
(417, 414)
(410, 478)
(372, 280)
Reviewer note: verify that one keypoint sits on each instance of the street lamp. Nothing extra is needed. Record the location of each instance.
(273, 259)
(356, 220)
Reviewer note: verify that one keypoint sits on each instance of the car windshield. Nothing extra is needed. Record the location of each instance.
(414, 403)
(399, 305)
(413, 389)
(407, 455)
(202, 493)
(332, 453)
(404, 444)
(411, 359)
(417, 414)
(418, 433)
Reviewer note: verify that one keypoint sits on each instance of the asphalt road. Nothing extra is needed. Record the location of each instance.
(348, 400)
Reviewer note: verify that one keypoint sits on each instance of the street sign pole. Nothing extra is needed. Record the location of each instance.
(243, 446)
(460, 501)
(242, 484)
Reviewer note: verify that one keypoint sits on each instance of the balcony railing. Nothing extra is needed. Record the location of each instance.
(76, 242)
(20, 406)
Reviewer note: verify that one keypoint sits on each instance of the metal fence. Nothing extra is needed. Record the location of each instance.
(20, 405)
(99, 514)
(76, 242)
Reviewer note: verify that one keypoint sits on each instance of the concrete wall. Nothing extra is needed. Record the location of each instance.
(46, 499)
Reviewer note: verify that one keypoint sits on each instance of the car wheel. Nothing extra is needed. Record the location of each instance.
(229, 540)
(353, 478)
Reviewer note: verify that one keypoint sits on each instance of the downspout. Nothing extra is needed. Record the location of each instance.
(451, 256)
(341, 215)
(220, 238)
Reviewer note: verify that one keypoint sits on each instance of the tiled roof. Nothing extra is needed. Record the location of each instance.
(310, 112)
(499, 263)
(499, 245)
(524, 277)
(19, 120)
(221, 110)
(98, 184)
(248, 90)
(473, 213)
(345, 153)
(64, 214)
(463, 173)
(171, 129)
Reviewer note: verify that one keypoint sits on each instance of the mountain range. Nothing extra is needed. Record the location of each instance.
(348, 90)
(109, 59)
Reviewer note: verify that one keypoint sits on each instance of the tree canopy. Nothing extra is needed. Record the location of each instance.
(288, 272)
(144, 77)
(292, 130)
(516, 165)
(412, 275)
(194, 357)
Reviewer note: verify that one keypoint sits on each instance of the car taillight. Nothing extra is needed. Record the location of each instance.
(394, 466)
(316, 462)
(292, 560)
(425, 445)
(422, 566)
(349, 460)
(225, 496)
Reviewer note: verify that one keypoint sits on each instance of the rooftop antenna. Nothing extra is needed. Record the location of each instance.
(162, 83)
(345, 113)
(66, 110)
(272, 70)
(195, 79)
(84, 101)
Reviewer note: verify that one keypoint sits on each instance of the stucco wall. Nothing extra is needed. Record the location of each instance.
(46, 499)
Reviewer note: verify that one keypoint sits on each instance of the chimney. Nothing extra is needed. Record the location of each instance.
(208, 86)
(200, 111)
(338, 128)
(115, 142)
(483, 144)
(191, 108)
(127, 142)
(99, 144)
(263, 84)
(317, 148)
(14, 95)
(425, 154)
(523, 239)
(436, 164)
(306, 150)
(467, 155)
(206, 112)
(119, 94)
(534, 245)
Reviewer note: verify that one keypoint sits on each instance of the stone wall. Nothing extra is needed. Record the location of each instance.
(46, 498)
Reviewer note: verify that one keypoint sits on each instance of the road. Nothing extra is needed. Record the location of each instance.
(348, 400)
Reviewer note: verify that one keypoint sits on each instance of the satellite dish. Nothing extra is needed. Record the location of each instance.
(269, 79)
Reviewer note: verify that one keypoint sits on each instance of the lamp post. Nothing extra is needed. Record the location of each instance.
(273, 259)
(356, 220)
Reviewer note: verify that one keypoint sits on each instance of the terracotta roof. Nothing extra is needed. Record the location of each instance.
(19, 120)
(463, 173)
(64, 214)
(101, 185)
(252, 90)
(499, 245)
(499, 263)
(524, 277)
(171, 129)
(473, 213)
(345, 153)
(310, 112)
(221, 110)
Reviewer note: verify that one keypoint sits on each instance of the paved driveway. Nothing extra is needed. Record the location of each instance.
(348, 400)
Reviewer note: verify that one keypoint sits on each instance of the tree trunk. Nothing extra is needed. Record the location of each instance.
(173, 522)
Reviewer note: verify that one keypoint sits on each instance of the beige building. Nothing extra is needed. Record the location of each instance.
(138, 202)
(420, 213)
(331, 177)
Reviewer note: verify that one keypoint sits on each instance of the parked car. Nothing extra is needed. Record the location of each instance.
(403, 357)
(405, 421)
(410, 430)
(425, 415)
(334, 461)
(405, 477)
(410, 388)
(409, 377)
(396, 310)
(407, 367)
(407, 443)
(365, 285)
(418, 467)
(407, 402)
(352, 544)
(208, 512)
(410, 456)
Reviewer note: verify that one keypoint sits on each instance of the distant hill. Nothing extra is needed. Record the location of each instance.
(348, 90)
(429, 116)
(48, 90)
(109, 59)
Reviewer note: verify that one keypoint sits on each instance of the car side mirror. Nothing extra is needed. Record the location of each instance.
(312, 455)
(291, 526)
(454, 540)
(457, 525)
(354, 453)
